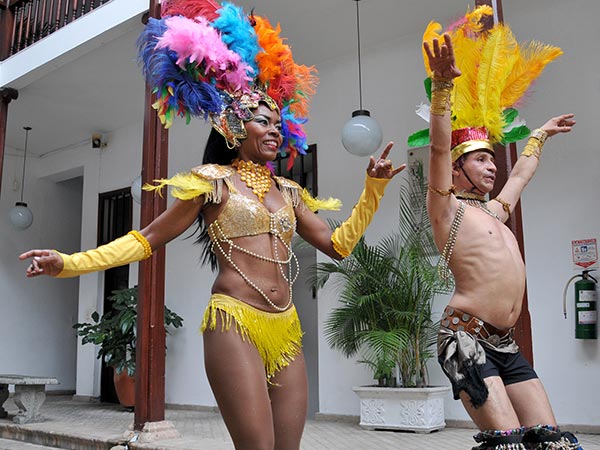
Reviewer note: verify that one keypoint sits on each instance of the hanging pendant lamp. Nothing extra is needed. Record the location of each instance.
(361, 135)
(20, 215)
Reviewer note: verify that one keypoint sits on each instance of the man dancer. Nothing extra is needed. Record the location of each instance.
(497, 386)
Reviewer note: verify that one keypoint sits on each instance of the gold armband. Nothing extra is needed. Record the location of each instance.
(346, 236)
(441, 192)
(505, 205)
(127, 249)
(535, 143)
(441, 90)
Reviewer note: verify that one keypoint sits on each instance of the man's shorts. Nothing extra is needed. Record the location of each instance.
(511, 367)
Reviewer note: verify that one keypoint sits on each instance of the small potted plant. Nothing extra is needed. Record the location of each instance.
(115, 334)
(385, 316)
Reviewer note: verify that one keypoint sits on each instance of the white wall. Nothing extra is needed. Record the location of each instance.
(561, 204)
(37, 314)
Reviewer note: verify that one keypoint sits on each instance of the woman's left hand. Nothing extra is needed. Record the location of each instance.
(383, 168)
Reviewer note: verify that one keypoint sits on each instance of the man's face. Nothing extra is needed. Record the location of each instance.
(480, 168)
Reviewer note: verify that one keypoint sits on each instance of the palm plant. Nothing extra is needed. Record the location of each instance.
(386, 292)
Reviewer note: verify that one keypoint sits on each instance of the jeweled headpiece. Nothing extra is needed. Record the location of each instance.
(214, 61)
(496, 71)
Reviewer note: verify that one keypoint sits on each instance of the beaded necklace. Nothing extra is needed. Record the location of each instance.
(291, 260)
(256, 176)
(478, 201)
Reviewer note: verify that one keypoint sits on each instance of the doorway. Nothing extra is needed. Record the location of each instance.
(304, 172)
(114, 220)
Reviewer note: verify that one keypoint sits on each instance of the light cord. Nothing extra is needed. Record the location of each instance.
(359, 61)
(24, 161)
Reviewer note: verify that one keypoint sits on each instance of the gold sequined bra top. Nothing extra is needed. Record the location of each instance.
(244, 216)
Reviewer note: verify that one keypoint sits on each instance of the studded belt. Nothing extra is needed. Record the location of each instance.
(457, 320)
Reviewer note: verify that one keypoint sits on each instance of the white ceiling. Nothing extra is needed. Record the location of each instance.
(102, 91)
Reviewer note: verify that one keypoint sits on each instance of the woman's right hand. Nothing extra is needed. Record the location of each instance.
(43, 262)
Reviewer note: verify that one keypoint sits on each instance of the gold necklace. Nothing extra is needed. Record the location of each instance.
(256, 176)
(476, 200)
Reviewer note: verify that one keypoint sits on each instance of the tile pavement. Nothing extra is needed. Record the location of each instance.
(91, 426)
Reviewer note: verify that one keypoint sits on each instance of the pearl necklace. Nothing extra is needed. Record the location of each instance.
(221, 237)
(478, 201)
(256, 176)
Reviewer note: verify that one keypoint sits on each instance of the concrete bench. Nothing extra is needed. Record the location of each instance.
(29, 396)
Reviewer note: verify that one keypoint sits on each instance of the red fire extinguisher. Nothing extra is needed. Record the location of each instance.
(586, 313)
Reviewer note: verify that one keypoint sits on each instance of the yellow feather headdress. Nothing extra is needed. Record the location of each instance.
(496, 71)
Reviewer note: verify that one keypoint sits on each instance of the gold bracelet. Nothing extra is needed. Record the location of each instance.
(540, 135)
(452, 190)
(441, 90)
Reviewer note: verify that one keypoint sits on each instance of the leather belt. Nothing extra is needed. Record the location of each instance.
(457, 320)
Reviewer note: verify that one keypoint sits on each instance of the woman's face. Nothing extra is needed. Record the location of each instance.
(264, 136)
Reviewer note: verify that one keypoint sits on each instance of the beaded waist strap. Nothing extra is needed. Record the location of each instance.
(457, 320)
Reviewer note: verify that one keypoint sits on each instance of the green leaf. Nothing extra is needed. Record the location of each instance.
(427, 84)
(419, 139)
(509, 115)
(516, 134)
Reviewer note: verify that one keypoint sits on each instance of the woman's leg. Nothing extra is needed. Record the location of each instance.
(236, 375)
(289, 398)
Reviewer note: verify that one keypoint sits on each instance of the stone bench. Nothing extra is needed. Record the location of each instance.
(29, 396)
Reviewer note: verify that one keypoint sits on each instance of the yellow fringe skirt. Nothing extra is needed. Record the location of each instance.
(276, 336)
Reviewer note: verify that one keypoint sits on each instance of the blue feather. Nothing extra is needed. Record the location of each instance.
(197, 98)
(291, 138)
(238, 34)
(147, 41)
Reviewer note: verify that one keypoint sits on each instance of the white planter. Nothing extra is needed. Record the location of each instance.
(410, 409)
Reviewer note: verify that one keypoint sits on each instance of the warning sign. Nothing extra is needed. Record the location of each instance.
(585, 254)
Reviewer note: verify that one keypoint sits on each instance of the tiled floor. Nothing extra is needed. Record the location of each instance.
(79, 425)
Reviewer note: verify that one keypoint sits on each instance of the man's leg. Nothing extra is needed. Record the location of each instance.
(497, 413)
(496, 418)
(532, 406)
(530, 401)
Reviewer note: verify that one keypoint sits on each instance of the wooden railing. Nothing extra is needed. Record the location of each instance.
(23, 22)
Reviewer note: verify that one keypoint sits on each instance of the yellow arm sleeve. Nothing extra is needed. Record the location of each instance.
(124, 250)
(346, 236)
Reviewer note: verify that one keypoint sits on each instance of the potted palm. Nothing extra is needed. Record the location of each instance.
(115, 335)
(386, 291)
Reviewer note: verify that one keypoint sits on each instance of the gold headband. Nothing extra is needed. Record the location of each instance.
(471, 146)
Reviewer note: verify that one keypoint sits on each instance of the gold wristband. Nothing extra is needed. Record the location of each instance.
(535, 143)
(532, 148)
(441, 90)
(540, 135)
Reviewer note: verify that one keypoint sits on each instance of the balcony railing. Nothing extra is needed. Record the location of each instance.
(23, 22)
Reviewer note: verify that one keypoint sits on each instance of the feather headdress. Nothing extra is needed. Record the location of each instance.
(497, 72)
(210, 60)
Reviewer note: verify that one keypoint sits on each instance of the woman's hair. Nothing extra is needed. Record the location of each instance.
(215, 152)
